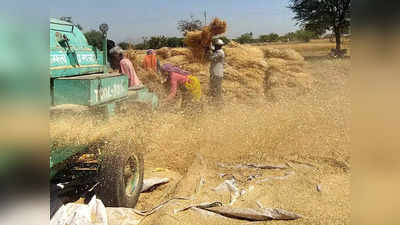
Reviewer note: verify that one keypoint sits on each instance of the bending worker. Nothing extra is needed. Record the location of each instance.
(187, 83)
(150, 62)
(125, 66)
(216, 55)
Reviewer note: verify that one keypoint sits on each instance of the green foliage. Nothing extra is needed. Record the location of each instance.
(303, 35)
(94, 38)
(141, 46)
(291, 36)
(319, 16)
(300, 35)
(318, 30)
(157, 42)
(283, 38)
(174, 42)
(245, 38)
(272, 37)
(126, 45)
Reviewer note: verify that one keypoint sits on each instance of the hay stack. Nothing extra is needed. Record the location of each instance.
(199, 41)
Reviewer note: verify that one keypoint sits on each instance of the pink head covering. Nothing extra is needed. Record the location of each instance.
(150, 52)
(171, 68)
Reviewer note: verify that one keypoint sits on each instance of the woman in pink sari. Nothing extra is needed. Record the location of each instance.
(126, 66)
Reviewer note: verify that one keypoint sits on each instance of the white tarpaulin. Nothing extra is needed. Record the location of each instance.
(76, 214)
(94, 214)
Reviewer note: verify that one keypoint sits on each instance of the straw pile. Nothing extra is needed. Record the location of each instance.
(148, 78)
(163, 53)
(286, 73)
(199, 41)
(250, 72)
(288, 54)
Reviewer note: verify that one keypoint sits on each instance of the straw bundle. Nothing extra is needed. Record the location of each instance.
(217, 26)
(198, 41)
(193, 38)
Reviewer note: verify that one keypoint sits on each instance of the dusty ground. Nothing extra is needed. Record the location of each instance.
(310, 135)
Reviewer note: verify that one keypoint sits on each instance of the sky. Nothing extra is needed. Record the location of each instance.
(130, 20)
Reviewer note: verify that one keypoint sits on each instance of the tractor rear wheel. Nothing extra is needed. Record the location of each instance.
(121, 180)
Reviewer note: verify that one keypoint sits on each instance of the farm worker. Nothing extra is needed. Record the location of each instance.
(125, 66)
(150, 62)
(216, 55)
(188, 84)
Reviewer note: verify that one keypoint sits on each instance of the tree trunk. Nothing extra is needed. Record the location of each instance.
(338, 40)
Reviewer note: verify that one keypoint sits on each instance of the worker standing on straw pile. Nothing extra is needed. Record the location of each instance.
(125, 66)
(187, 83)
(217, 56)
(150, 61)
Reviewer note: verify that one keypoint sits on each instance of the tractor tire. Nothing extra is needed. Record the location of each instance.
(121, 180)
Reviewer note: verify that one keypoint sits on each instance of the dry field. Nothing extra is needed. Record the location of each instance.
(315, 48)
(310, 134)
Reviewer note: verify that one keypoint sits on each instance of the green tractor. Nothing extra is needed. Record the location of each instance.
(79, 75)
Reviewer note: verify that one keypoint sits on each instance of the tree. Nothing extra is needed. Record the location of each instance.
(141, 46)
(94, 38)
(291, 36)
(157, 42)
(185, 26)
(303, 35)
(334, 15)
(245, 38)
(174, 42)
(269, 37)
(316, 29)
(126, 45)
